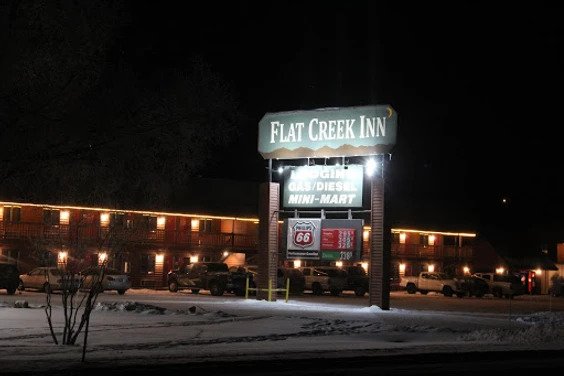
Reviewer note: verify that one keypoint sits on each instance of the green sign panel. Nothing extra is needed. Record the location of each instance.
(323, 186)
(328, 132)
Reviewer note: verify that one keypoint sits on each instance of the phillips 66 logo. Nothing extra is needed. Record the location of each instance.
(304, 234)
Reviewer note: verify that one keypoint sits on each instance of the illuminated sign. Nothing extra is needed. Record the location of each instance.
(323, 239)
(323, 186)
(303, 237)
(328, 132)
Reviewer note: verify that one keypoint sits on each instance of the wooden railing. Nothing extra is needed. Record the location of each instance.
(91, 233)
(417, 251)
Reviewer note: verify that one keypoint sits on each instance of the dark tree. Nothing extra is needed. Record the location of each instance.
(81, 124)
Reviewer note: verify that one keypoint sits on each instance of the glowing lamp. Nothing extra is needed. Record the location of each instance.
(402, 268)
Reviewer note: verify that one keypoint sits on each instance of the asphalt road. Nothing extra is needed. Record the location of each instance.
(441, 364)
(398, 300)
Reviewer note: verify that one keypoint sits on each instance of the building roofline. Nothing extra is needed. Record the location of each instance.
(177, 214)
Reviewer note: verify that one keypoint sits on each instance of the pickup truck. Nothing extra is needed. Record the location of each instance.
(430, 281)
(503, 285)
(324, 278)
(212, 276)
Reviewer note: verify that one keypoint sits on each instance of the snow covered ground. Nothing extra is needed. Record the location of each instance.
(131, 332)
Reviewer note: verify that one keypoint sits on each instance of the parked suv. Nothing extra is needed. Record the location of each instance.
(319, 279)
(9, 277)
(357, 280)
(212, 276)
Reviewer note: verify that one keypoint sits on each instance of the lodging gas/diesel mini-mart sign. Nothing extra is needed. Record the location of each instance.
(322, 186)
(328, 132)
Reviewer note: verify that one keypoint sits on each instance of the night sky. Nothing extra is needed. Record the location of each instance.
(477, 88)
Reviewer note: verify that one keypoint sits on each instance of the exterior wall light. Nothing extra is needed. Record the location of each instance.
(62, 258)
(297, 263)
(402, 268)
(431, 268)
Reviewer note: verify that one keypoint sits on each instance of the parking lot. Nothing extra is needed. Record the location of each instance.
(398, 300)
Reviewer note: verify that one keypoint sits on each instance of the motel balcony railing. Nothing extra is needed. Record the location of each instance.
(93, 233)
(418, 251)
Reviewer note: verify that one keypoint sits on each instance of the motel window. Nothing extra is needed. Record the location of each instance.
(147, 264)
(12, 214)
(450, 240)
(149, 222)
(51, 217)
(117, 220)
(205, 225)
(423, 239)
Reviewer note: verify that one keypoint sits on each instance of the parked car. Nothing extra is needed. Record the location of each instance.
(319, 279)
(471, 286)
(48, 279)
(112, 280)
(9, 277)
(503, 285)
(357, 280)
(212, 276)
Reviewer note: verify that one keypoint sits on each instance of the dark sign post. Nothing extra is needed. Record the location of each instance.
(326, 133)
(268, 238)
(379, 275)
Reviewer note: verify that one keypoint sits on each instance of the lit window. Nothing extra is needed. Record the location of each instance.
(432, 239)
(195, 224)
(104, 219)
(11, 214)
(402, 237)
(161, 223)
(64, 217)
